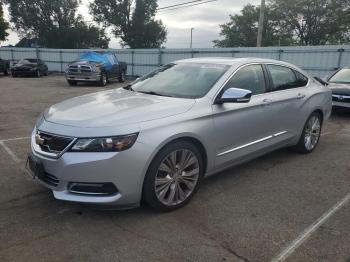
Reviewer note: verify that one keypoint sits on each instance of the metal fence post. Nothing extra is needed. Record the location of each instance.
(12, 56)
(132, 62)
(340, 56)
(159, 57)
(37, 53)
(280, 51)
(192, 53)
(61, 61)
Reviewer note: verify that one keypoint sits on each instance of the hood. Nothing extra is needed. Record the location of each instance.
(115, 108)
(340, 89)
(85, 62)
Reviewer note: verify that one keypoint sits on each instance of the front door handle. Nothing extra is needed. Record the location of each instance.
(266, 102)
(300, 96)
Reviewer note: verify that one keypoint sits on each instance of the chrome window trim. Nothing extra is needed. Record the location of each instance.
(252, 143)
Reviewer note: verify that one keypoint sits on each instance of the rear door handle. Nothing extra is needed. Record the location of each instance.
(300, 96)
(266, 102)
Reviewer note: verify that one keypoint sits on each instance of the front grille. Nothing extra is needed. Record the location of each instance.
(341, 98)
(49, 179)
(79, 69)
(52, 143)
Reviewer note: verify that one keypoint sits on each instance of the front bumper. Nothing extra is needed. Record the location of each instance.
(89, 77)
(24, 73)
(341, 100)
(125, 170)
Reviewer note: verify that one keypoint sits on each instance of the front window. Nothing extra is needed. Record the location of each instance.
(27, 61)
(185, 80)
(342, 76)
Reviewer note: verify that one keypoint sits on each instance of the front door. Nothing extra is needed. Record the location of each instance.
(243, 128)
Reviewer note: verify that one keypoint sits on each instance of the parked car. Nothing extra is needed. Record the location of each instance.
(29, 67)
(4, 66)
(98, 67)
(339, 83)
(158, 137)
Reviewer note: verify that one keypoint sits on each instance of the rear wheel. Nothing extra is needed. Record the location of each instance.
(122, 77)
(72, 83)
(173, 176)
(104, 79)
(311, 134)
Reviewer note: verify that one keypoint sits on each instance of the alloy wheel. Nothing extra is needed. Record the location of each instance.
(177, 177)
(312, 132)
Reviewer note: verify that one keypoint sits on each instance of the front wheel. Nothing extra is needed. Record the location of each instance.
(103, 80)
(38, 74)
(311, 134)
(6, 71)
(173, 176)
(72, 83)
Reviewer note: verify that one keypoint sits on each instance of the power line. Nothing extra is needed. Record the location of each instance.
(180, 7)
(185, 3)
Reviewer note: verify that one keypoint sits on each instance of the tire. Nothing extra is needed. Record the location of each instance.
(6, 72)
(72, 83)
(13, 74)
(121, 78)
(173, 190)
(37, 74)
(46, 73)
(104, 79)
(311, 134)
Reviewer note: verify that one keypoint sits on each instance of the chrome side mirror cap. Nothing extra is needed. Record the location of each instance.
(235, 95)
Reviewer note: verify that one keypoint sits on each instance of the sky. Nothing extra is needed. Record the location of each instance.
(205, 19)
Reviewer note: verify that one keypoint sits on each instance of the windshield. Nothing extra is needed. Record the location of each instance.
(27, 61)
(185, 80)
(342, 76)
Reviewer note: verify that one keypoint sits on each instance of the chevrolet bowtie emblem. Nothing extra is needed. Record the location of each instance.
(39, 140)
(341, 97)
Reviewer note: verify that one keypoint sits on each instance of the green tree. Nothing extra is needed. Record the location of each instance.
(54, 24)
(315, 22)
(242, 29)
(4, 26)
(287, 22)
(132, 21)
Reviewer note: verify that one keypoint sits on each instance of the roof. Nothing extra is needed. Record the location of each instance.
(229, 61)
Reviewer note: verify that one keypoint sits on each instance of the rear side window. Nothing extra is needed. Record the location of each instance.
(250, 78)
(285, 78)
(301, 79)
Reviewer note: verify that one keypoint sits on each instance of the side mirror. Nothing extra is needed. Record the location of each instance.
(235, 95)
(321, 81)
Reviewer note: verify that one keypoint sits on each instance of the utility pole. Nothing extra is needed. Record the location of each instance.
(191, 37)
(261, 23)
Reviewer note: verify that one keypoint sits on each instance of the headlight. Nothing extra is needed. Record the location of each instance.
(104, 144)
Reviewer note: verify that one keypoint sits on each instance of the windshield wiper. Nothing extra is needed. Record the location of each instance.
(153, 93)
(128, 87)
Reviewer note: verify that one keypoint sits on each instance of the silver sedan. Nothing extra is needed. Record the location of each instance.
(157, 138)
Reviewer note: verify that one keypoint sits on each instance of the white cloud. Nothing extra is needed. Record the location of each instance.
(204, 18)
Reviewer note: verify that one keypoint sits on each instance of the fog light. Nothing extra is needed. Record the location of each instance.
(97, 189)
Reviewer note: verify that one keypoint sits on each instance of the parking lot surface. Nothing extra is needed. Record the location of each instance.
(282, 207)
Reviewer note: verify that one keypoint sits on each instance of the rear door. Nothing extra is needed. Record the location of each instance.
(242, 129)
(288, 96)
